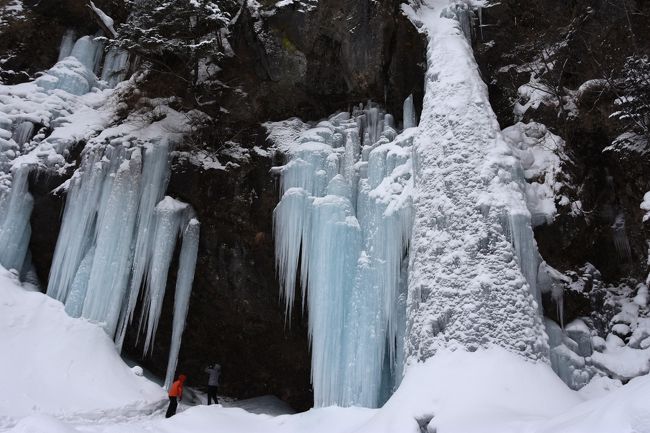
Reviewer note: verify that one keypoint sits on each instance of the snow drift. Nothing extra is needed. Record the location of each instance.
(54, 364)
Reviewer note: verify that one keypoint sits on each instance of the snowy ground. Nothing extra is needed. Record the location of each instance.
(63, 375)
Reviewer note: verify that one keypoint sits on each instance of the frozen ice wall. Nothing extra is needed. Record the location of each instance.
(342, 228)
(118, 235)
(49, 103)
(473, 262)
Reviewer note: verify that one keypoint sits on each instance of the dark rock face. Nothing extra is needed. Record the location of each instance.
(29, 42)
(311, 61)
(45, 220)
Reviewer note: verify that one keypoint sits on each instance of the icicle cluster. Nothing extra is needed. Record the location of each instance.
(80, 64)
(343, 226)
(118, 235)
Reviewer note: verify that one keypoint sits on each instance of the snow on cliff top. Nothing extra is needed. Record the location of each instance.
(54, 364)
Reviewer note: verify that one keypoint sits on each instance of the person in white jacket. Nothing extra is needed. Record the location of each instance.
(214, 372)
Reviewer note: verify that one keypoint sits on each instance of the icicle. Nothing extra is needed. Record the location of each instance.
(523, 240)
(288, 229)
(333, 252)
(155, 175)
(67, 42)
(15, 211)
(23, 132)
(168, 215)
(410, 118)
(115, 66)
(345, 217)
(75, 301)
(78, 223)
(111, 268)
(186, 266)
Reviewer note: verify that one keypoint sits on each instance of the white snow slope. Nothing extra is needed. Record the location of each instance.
(54, 364)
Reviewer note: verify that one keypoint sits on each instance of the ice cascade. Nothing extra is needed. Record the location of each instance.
(118, 235)
(119, 232)
(343, 226)
(473, 265)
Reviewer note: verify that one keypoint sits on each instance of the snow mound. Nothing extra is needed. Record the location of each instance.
(496, 391)
(57, 365)
(463, 392)
(486, 391)
(624, 410)
(80, 384)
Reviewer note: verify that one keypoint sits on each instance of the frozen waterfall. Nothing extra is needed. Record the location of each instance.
(349, 215)
(474, 262)
(119, 232)
(118, 235)
(80, 64)
(343, 227)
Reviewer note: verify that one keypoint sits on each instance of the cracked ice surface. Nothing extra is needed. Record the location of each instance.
(473, 262)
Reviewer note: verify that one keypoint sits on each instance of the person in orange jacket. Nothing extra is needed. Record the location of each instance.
(175, 395)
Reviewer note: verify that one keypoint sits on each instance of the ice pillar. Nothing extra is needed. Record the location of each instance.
(15, 230)
(187, 264)
(472, 252)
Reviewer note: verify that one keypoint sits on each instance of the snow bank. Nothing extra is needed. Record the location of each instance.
(485, 391)
(495, 391)
(53, 364)
(624, 410)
